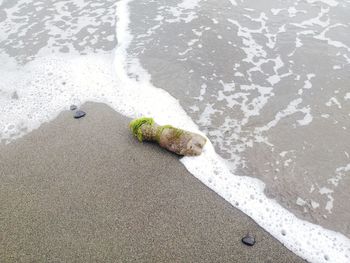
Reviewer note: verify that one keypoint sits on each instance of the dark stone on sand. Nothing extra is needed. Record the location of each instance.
(248, 240)
(73, 107)
(79, 114)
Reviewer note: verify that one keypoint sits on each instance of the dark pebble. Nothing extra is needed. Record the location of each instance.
(248, 240)
(78, 114)
(73, 107)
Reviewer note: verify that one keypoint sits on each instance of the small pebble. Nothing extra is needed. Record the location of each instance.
(78, 114)
(73, 107)
(248, 240)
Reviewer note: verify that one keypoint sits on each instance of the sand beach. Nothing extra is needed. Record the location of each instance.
(87, 191)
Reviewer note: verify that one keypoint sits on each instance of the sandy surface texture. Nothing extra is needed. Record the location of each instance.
(86, 191)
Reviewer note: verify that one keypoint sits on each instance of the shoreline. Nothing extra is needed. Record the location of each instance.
(86, 190)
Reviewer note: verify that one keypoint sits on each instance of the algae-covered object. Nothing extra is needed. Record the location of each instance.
(173, 139)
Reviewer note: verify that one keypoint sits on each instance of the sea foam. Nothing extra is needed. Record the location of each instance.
(40, 90)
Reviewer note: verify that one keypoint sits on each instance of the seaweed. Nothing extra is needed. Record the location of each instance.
(135, 126)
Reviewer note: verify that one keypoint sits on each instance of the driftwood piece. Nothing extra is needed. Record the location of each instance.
(173, 139)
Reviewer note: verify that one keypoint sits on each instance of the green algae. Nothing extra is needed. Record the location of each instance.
(135, 126)
(176, 140)
(160, 130)
(177, 132)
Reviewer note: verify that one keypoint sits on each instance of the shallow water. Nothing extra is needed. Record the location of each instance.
(267, 83)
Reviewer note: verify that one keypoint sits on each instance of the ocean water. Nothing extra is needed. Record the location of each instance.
(267, 82)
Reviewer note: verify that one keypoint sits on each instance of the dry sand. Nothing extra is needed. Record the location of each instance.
(87, 191)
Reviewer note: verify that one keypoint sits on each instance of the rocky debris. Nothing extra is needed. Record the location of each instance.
(248, 240)
(173, 139)
(79, 114)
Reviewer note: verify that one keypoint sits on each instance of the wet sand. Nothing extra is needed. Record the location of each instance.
(87, 191)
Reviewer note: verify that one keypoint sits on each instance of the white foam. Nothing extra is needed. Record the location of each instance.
(307, 82)
(328, 2)
(275, 11)
(49, 85)
(184, 11)
(314, 204)
(300, 201)
(333, 101)
(292, 108)
(328, 192)
(340, 173)
(337, 44)
(189, 4)
(55, 30)
(233, 2)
